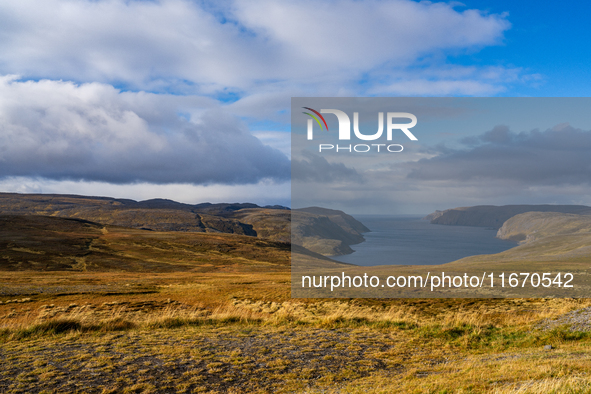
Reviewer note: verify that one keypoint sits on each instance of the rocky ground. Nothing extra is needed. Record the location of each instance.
(194, 360)
(577, 320)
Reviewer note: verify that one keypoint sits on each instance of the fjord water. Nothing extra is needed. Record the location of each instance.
(409, 240)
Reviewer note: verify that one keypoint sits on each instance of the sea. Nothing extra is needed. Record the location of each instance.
(410, 240)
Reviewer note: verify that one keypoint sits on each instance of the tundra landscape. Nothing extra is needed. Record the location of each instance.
(198, 196)
(106, 296)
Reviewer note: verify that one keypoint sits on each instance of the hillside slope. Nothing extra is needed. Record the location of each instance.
(41, 243)
(327, 235)
(323, 231)
(532, 226)
(543, 237)
(328, 232)
(157, 214)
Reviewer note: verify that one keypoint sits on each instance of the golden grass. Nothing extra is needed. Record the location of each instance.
(242, 333)
(262, 297)
(226, 323)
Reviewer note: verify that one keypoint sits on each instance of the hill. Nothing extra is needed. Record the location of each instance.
(326, 231)
(156, 214)
(494, 216)
(323, 231)
(40, 243)
(532, 226)
(544, 237)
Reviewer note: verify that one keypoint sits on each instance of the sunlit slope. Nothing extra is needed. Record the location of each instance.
(48, 244)
(544, 236)
(268, 223)
(323, 231)
(41, 243)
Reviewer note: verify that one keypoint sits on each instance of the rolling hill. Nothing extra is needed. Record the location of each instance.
(66, 232)
(553, 239)
(41, 243)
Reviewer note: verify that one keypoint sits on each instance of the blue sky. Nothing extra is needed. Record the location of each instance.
(189, 100)
(548, 38)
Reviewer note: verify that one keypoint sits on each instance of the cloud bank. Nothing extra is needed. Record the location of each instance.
(556, 156)
(315, 168)
(93, 132)
(188, 93)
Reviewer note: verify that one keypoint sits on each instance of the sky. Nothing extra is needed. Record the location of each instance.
(190, 100)
(468, 151)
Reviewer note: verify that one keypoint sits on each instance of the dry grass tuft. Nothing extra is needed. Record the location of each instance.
(563, 385)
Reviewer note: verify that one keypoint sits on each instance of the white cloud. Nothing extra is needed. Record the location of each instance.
(69, 128)
(449, 80)
(60, 130)
(179, 44)
(346, 34)
(423, 87)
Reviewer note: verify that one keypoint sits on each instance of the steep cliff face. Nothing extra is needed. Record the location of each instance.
(494, 216)
(329, 235)
(324, 231)
(434, 215)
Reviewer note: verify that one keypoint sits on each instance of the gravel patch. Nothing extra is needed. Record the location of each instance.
(579, 320)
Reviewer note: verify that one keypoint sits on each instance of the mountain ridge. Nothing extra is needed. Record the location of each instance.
(334, 232)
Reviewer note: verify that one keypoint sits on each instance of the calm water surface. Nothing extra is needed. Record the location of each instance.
(401, 240)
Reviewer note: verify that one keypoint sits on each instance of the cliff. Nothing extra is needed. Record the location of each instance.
(324, 231)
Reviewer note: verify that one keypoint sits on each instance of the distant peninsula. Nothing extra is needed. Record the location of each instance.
(492, 216)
